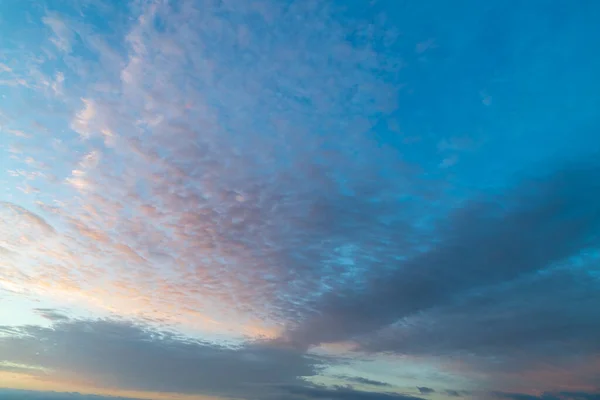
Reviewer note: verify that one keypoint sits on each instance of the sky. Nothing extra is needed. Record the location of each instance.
(300, 200)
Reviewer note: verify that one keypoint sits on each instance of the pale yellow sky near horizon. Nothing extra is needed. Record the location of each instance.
(22, 381)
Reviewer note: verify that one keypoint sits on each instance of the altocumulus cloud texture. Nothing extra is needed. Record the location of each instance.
(266, 199)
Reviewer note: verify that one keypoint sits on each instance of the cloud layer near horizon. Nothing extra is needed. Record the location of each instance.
(262, 199)
(123, 355)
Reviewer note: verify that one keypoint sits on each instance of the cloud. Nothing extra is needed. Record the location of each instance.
(79, 177)
(128, 356)
(81, 123)
(5, 68)
(515, 321)
(364, 381)
(549, 396)
(22, 229)
(425, 390)
(51, 314)
(482, 244)
(63, 35)
(17, 133)
(341, 393)
(97, 119)
(449, 161)
(5, 252)
(30, 218)
(57, 83)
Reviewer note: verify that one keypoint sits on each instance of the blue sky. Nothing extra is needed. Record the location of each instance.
(300, 199)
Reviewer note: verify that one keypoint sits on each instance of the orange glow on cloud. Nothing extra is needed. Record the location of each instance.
(128, 301)
(581, 376)
(23, 381)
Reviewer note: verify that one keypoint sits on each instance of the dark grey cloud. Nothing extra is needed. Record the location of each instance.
(529, 228)
(425, 390)
(51, 314)
(514, 396)
(364, 381)
(578, 395)
(125, 355)
(549, 316)
(549, 396)
(341, 393)
(455, 393)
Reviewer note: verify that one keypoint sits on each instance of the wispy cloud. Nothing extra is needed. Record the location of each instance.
(63, 35)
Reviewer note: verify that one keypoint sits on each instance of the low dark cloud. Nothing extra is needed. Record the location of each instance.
(364, 381)
(514, 396)
(425, 390)
(542, 317)
(125, 355)
(51, 314)
(341, 393)
(579, 395)
(549, 396)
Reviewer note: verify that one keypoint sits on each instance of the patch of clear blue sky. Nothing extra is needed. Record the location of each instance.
(534, 65)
